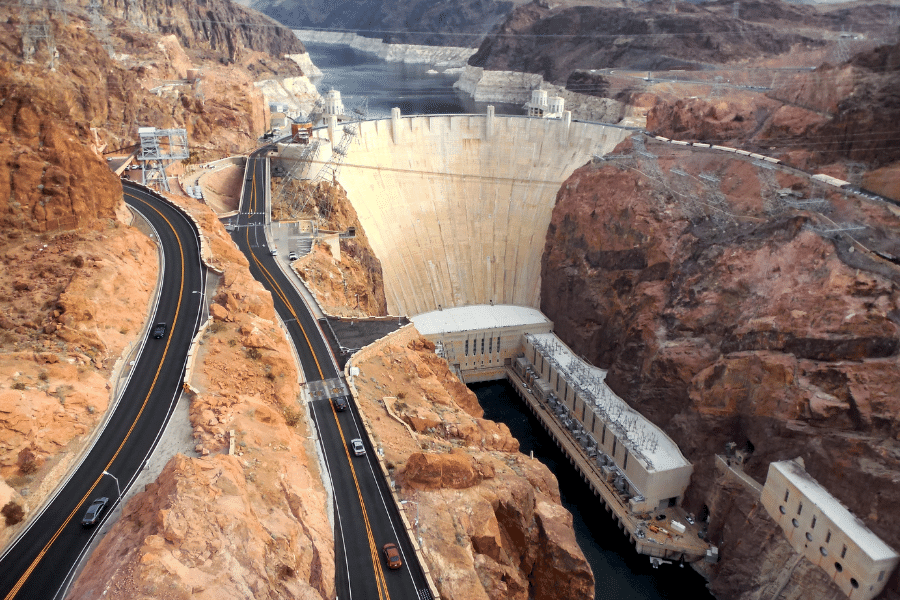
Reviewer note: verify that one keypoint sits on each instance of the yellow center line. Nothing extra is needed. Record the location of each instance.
(15, 590)
(380, 582)
(274, 284)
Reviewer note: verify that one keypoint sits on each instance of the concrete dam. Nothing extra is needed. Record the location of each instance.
(457, 207)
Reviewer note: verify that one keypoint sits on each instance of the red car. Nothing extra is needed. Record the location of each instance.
(392, 556)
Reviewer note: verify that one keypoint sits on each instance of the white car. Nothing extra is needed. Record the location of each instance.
(292, 256)
(358, 448)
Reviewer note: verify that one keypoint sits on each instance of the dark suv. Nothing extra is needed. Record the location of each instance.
(340, 403)
(159, 330)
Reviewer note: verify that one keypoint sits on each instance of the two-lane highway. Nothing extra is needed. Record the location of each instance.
(365, 516)
(40, 562)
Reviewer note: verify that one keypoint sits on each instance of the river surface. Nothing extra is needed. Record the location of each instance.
(620, 573)
(361, 76)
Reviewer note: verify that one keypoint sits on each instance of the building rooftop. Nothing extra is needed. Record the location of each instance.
(831, 507)
(477, 317)
(644, 439)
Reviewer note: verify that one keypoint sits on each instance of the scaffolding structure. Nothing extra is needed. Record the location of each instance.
(159, 147)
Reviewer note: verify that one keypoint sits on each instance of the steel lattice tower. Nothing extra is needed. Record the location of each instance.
(159, 146)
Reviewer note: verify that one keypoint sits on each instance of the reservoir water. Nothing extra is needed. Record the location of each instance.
(620, 573)
(360, 75)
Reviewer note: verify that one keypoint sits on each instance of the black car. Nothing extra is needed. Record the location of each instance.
(94, 512)
(340, 403)
(159, 330)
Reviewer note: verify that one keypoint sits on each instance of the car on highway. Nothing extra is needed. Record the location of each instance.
(274, 251)
(94, 512)
(392, 556)
(292, 256)
(159, 330)
(357, 445)
(340, 403)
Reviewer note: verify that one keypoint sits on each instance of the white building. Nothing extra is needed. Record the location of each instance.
(479, 340)
(635, 453)
(820, 528)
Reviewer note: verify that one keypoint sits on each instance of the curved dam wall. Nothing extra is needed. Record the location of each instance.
(457, 206)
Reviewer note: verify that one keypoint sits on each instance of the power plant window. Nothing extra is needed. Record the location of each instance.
(809, 536)
(491, 346)
(854, 583)
(813, 524)
(828, 537)
(467, 347)
(781, 509)
(823, 550)
(881, 576)
(799, 508)
(498, 343)
(482, 345)
(795, 522)
(786, 494)
(844, 552)
(838, 567)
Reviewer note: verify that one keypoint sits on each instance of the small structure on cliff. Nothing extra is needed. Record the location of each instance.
(820, 528)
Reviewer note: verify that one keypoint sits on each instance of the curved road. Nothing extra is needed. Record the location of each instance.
(365, 516)
(41, 561)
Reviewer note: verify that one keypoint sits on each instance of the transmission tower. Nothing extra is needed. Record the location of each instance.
(37, 28)
(159, 146)
(768, 188)
(329, 170)
(98, 26)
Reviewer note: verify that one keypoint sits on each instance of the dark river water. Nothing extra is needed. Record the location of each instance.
(621, 574)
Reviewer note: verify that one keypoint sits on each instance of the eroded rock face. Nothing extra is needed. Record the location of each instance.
(732, 318)
(489, 517)
(810, 120)
(352, 286)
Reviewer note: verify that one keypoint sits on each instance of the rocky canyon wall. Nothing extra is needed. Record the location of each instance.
(729, 314)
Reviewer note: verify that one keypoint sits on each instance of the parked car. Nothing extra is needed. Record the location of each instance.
(274, 251)
(392, 556)
(159, 330)
(340, 403)
(94, 512)
(357, 445)
(292, 256)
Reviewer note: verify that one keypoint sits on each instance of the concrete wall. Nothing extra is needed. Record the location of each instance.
(457, 207)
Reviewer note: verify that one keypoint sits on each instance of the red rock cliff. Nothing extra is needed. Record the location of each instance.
(726, 315)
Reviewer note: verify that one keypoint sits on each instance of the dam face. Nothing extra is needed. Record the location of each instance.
(457, 207)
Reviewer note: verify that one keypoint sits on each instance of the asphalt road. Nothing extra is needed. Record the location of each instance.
(365, 516)
(41, 561)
